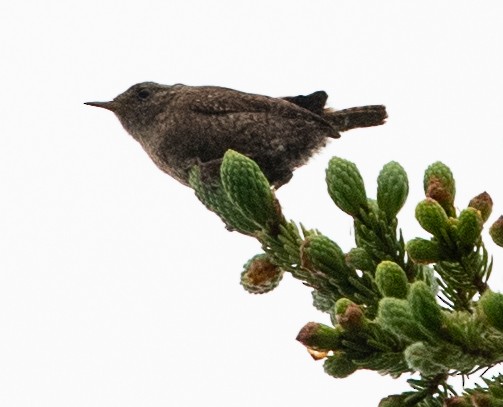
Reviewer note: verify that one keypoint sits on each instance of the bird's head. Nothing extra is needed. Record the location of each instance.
(138, 106)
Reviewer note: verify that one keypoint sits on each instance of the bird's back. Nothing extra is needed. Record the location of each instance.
(206, 121)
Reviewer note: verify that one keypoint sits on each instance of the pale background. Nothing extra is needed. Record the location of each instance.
(117, 287)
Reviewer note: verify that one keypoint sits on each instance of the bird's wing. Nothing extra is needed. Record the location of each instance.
(238, 108)
(211, 100)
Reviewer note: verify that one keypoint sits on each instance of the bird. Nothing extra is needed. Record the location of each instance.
(181, 126)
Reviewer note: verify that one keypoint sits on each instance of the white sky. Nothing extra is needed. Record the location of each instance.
(117, 287)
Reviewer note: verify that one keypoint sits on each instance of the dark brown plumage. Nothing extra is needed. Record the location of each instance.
(180, 126)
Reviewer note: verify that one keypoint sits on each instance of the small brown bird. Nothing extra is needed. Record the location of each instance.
(181, 126)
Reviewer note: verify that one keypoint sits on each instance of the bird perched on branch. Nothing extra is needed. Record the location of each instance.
(181, 126)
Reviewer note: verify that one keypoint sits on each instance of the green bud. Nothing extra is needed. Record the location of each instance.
(424, 307)
(260, 275)
(432, 217)
(360, 260)
(439, 185)
(392, 189)
(483, 203)
(345, 186)
(391, 280)
(214, 197)
(320, 337)
(421, 358)
(249, 189)
(492, 306)
(423, 251)
(496, 231)
(339, 366)
(469, 226)
(320, 253)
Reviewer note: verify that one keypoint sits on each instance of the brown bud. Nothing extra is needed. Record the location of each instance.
(352, 318)
(482, 203)
(260, 275)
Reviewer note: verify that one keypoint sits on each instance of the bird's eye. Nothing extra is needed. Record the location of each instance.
(143, 94)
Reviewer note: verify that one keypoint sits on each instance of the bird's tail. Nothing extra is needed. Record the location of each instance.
(354, 117)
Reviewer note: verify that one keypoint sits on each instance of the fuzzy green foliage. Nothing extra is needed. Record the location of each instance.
(469, 227)
(248, 189)
(345, 186)
(432, 218)
(392, 189)
(391, 280)
(492, 306)
(423, 251)
(216, 200)
(422, 307)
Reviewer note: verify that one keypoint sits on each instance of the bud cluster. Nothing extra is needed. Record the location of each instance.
(382, 296)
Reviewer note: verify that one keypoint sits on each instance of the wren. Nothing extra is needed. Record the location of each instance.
(181, 126)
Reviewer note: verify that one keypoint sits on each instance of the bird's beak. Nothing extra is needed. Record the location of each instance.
(105, 105)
